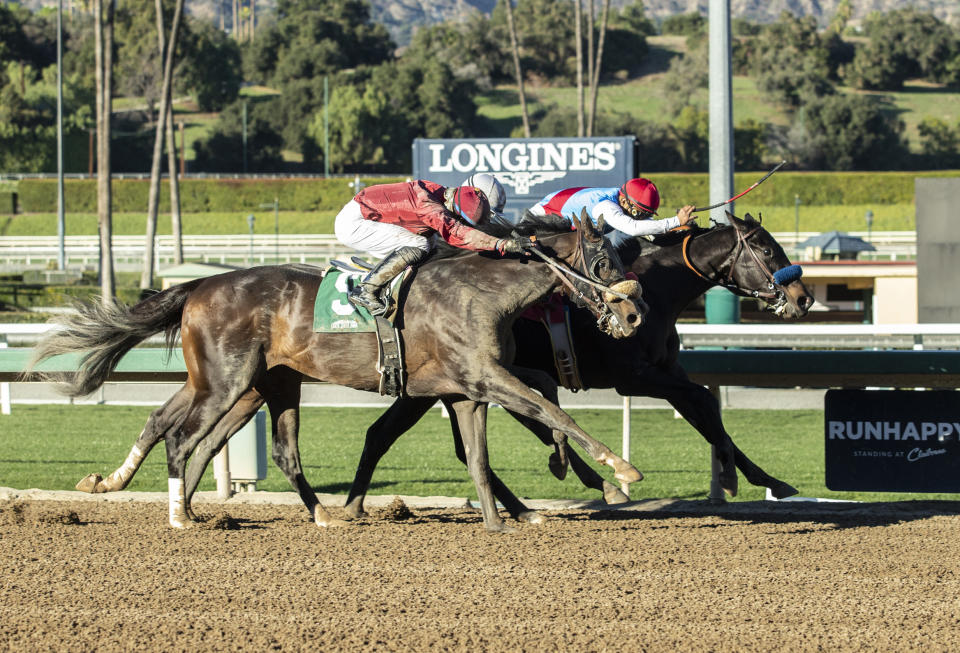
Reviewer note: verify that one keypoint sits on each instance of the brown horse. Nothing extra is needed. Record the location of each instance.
(247, 339)
(674, 270)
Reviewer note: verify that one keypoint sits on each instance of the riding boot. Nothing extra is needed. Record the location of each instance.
(367, 294)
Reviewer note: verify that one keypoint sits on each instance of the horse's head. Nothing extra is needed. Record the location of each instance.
(619, 308)
(747, 260)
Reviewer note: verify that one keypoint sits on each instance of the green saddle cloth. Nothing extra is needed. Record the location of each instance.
(333, 312)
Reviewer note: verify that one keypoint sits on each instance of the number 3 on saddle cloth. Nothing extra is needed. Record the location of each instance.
(333, 313)
(554, 314)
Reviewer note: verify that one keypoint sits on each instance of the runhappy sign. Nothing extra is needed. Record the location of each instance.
(892, 440)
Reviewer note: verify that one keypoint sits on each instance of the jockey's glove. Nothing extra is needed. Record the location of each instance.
(515, 245)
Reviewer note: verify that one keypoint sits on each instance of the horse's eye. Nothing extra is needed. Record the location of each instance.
(766, 251)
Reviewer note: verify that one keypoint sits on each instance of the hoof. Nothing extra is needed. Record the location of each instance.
(557, 466)
(331, 523)
(499, 528)
(354, 510)
(630, 474)
(89, 483)
(729, 484)
(612, 495)
(181, 523)
(783, 490)
(531, 517)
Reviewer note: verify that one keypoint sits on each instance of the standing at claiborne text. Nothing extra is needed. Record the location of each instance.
(397, 222)
(628, 211)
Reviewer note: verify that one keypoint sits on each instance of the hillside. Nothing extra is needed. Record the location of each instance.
(402, 17)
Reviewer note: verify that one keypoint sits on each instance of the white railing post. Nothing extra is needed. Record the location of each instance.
(626, 438)
(4, 387)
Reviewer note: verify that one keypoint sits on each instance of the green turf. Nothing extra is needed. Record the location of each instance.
(53, 446)
(891, 217)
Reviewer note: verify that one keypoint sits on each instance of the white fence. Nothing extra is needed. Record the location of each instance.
(40, 252)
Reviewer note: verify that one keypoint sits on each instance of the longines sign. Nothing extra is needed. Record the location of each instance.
(892, 440)
(528, 168)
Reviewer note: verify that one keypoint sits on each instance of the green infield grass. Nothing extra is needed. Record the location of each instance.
(889, 217)
(53, 446)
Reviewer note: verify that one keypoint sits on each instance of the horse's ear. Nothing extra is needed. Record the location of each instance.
(750, 219)
(586, 225)
(575, 222)
(735, 222)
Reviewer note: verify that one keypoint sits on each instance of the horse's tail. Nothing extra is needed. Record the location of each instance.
(107, 332)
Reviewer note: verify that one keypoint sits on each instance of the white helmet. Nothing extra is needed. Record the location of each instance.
(491, 187)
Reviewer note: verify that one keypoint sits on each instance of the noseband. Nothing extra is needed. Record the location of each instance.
(773, 291)
(584, 291)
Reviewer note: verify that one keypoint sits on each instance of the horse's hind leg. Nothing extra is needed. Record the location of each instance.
(509, 500)
(160, 422)
(397, 420)
(226, 428)
(702, 410)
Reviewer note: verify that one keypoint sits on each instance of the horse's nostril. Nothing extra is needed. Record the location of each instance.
(634, 319)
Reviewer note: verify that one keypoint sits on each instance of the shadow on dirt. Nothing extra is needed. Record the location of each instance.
(837, 515)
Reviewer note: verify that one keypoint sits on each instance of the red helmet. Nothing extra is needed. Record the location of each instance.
(642, 196)
(470, 204)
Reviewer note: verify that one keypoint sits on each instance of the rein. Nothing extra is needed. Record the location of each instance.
(734, 257)
(561, 270)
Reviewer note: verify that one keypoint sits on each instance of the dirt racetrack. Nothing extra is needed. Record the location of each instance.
(668, 576)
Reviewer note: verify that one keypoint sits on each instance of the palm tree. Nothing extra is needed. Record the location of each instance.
(595, 76)
(511, 26)
(167, 48)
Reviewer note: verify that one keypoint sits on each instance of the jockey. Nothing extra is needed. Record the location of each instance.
(626, 210)
(396, 222)
(491, 188)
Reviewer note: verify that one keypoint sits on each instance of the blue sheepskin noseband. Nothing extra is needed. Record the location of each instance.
(787, 275)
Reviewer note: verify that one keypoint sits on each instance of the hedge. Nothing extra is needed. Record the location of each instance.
(196, 195)
(319, 194)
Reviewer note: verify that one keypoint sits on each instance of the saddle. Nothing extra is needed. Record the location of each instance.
(554, 315)
(333, 313)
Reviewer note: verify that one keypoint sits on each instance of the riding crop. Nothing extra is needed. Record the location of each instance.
(736, 197)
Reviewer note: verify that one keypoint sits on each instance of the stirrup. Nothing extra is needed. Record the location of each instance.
(368, 301)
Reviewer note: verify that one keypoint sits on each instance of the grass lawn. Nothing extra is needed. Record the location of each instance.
(53, 447)
(891, 217)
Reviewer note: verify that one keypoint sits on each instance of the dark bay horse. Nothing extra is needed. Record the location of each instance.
(676, 269)
(247, 340)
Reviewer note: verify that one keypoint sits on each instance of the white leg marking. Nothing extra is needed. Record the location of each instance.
(176, 499)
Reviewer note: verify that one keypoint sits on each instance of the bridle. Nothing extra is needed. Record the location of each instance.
(773, 292)
(583, 291)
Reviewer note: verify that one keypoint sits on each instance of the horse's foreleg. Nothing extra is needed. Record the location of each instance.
(503, 494)
(505, 389)
(471, 417)
(283, 398)
(545, 385)
(397, 420)
(160, 421)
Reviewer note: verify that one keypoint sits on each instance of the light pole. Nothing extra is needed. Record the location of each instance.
(276, 226)
(61, 223)
(796, 222)
(250, 220)
(869, 217)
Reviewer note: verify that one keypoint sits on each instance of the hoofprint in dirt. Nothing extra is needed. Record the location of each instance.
(111, 576)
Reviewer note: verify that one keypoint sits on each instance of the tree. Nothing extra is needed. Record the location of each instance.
(633, 18)
(166, 52)
(690, 24)
(222, 150)
(686, 75)
(518, 70)
(846, 132)
(906, 43)
(790, 61)
(939, 142)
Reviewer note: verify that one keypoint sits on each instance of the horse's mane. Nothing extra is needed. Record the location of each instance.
(529, 225)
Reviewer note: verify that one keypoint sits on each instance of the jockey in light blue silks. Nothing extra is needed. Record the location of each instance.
(627, 210)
